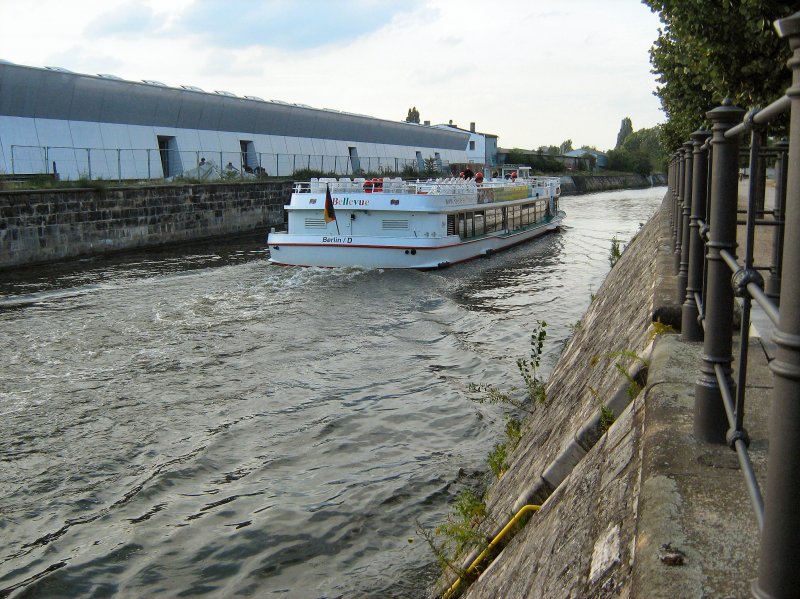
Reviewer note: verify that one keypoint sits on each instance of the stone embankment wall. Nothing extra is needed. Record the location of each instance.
(578, 184)
(581, 543)
(45, 225)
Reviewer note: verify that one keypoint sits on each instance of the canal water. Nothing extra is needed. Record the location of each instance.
(197, 422)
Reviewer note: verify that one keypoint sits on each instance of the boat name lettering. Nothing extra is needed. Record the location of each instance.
(349, 202)
(337, 240)
(451, 201)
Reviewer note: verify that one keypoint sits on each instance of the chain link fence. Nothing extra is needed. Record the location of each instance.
(72, 163)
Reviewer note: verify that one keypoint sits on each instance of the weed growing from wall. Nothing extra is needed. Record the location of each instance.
(497, 459)
(623, 361)
(529, 370)
(458, 532)
(616, 252)
(659, 328)
(528, 367)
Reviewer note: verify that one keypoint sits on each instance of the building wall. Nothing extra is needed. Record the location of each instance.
(99, 127)
(116, 151)
(477, 154)
(491, 150)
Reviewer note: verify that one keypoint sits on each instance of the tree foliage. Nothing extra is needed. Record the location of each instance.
(552, 150)
(641, 152)
(708, 50)
(625, 129)
(629, 162)
(648, 143)
(538, 161)
(588, 160)
(413, 115)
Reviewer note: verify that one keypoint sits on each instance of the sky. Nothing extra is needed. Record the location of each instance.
(532, 72)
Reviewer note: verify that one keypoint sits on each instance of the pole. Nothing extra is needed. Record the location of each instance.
(778, 574)
(691, 330)
(710, 419)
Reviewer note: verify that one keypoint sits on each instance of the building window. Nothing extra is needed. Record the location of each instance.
(472, 145)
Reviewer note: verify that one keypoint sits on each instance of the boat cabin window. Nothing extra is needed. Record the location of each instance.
(483, 222)
(451, 224)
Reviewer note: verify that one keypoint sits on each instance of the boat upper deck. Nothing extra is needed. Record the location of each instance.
(429, 195)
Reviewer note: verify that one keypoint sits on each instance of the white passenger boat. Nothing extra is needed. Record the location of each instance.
(391, 223)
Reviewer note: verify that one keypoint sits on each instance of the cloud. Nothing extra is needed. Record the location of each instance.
(288, 24)
(127, 20)
(82, 59)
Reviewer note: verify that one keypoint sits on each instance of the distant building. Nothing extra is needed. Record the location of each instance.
(101, 126)
(481, 147)
(601, 160)
(568, 162)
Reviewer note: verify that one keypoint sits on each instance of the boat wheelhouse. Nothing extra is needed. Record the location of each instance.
(391, 223)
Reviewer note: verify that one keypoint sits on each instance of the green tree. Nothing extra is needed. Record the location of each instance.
(537, 160)
(625, 129)
(413, 115)
(629, 162)
(647, 142)
(566, 146)
(708, 50)
(589, 161)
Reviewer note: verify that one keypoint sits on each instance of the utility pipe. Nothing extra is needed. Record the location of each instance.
(501, 535)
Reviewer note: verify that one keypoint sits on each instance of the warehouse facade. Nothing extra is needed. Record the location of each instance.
(100, 126)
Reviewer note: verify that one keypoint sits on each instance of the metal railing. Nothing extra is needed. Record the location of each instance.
(150, 163)
(703, 186)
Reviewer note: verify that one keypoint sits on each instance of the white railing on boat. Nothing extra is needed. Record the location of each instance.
(439, 186)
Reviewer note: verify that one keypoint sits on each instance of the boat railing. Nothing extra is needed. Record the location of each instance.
(448, 186)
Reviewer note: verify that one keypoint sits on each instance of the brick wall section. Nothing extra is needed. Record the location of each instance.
(44, 225)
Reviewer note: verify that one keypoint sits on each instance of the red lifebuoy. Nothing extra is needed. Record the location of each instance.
(377, 184)
(368, 186)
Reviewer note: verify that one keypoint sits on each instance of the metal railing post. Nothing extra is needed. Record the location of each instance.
(773, 284)
(710, 419)
(679, 208)
(671, 187)
(683, 262)
(778, 574)
(691, 329)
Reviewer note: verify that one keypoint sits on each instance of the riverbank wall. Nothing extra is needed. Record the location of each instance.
(579, 184)
(39, 226)
(638, 508)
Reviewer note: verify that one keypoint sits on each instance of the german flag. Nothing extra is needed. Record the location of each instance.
(328, 214)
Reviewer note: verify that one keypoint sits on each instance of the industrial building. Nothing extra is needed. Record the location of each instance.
(100, 126)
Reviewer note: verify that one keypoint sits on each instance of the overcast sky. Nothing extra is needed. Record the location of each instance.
(533, 72)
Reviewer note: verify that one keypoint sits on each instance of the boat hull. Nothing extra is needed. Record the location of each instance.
(410, 253)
